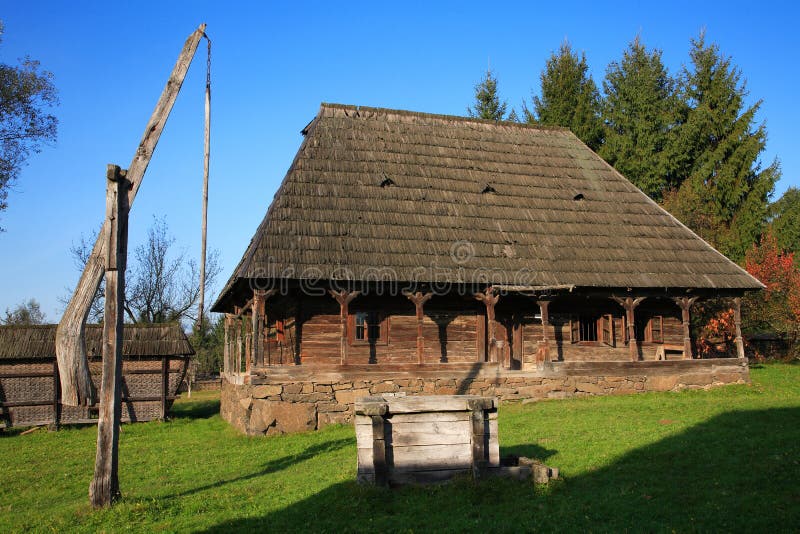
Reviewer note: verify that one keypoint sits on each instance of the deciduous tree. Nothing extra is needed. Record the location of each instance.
(27, 95)
(26, 313)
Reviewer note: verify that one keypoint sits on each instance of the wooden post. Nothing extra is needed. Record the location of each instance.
(259, 310)
(248, 343)
(204, 224)
(73, 365)
(164, 386)
(56, 397)
(737, 323)
(630, 304)
(419, 299)
(685, 304)
(544, 344)
(489, 299)
(379, 451)
(104, 489)
(343, 298)
(237, 367)
(226, 349)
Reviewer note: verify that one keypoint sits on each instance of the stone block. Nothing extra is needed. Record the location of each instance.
(293, 388)
(384, 387)
(333, 418)
(349, 396)
(323, 388)
(446, 390)
(343, 385)
(245, 403)
(331, 407)
(696, 379)
(590, 387)
(282, 417)
(661, 383)
(262, 392)
(308, 387)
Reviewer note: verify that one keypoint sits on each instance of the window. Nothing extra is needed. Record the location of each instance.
(368, 327)
(657, 329)
(592, 329)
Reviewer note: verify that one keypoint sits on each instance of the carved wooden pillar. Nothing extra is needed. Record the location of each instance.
(489, 299)
(248, 343)
(685, 304)
(419, 299)
(630, 304)
(237, 326)
(343, 298)
(259, 311)
(543, 354)
(737, 323)
(227, 368)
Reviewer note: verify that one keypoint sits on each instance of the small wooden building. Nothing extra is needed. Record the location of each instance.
(155, 359)
(435, 254)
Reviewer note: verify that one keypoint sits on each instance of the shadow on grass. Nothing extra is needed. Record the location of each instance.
(195, 409)
(736, 472)
(273, 466)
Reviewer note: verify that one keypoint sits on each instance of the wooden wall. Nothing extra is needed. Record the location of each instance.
(455, 330)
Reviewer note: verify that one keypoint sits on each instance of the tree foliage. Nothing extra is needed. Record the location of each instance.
(208, 345)
(639, 112)
(27, 94)
(724, 193)
(569, 97)
(487, 102)
(777, 308)
(785, 221)
(26, 313)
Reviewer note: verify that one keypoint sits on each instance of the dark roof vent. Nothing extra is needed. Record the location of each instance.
(386, 182)
(579, 196)
(489, 189)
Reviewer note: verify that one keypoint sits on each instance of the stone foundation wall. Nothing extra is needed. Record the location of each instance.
(289, 404)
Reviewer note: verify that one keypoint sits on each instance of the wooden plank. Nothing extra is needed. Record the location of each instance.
(164, 386)
(427, 417)
(431, 427)
(425, 477)
(431, 457)
(406, 439)
(436, 403)
(379, 451)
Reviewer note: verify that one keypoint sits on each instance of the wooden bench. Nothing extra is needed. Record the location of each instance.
(661, 350)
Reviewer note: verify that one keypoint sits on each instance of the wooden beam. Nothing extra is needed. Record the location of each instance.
(56, 397)
(259, 313)
(73, 365)
(489, 299)
(685, 304)
(104, 488)
(419, 299)
(543, 355)
(343, 298)
(164, 386)
(630, 304)
(737, 324)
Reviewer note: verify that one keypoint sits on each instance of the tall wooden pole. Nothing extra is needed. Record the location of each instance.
(104, 489)
(737, 324)
(73, 366)
(206, 158)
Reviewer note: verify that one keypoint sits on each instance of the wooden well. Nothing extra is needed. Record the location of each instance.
(425, 439)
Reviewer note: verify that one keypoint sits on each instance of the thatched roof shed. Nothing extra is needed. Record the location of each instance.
(38, 341)
(452, 199)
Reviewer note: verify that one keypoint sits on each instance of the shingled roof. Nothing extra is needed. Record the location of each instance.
(38, 341)
(444, 198)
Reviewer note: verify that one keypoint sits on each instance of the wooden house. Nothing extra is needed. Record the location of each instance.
(434, 254)
(155, 358)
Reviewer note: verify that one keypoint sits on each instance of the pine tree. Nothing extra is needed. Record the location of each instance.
(639, 113)
(569, 97)
(785, 221)
(487, 103)
(725, 193)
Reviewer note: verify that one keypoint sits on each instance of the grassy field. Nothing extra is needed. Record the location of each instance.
(725, 459)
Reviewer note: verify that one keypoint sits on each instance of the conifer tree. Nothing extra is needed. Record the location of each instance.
(785, 221)
(724, 195)
(487, 102)
(569, 97)
(639, 112)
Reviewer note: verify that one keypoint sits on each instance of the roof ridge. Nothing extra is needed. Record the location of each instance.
(439, 116)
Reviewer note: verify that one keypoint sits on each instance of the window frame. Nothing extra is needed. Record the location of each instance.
(381, 321)
(603, 325)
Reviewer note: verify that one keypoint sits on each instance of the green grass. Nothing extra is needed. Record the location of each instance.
(725, 459)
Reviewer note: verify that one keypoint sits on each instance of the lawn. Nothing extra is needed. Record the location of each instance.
(725, 459)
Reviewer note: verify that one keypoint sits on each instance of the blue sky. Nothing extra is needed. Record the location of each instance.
(272, 66)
